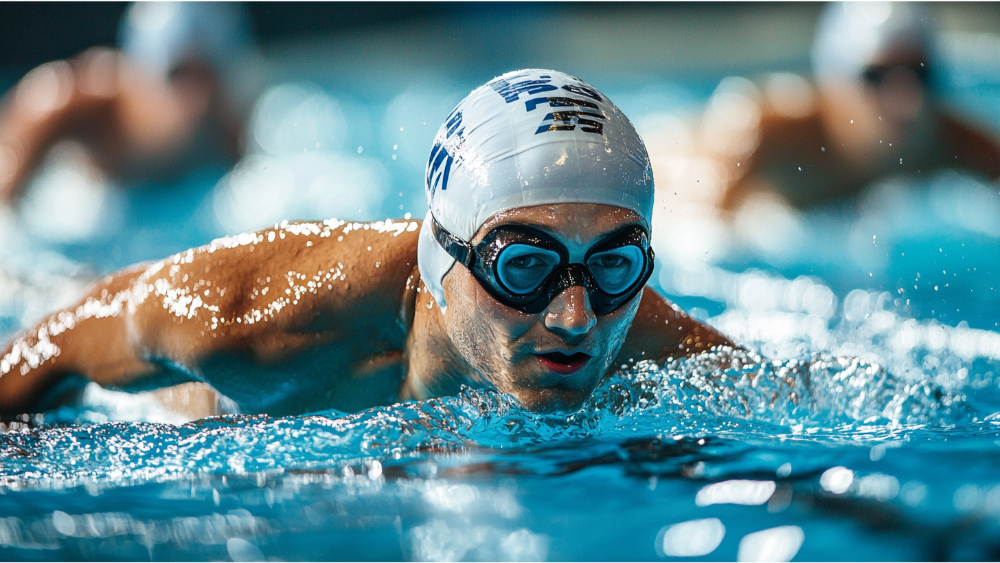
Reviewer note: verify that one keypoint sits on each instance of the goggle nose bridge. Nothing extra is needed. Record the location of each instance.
(573, 275)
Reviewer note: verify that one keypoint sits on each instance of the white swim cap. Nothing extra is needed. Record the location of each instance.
(850, 35)
(161, 35)
(529, 137)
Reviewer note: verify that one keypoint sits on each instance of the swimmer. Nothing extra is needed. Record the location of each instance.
(526, 276)
(872, 114)
(152, 110)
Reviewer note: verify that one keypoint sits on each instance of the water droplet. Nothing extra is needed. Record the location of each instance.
(63, 523)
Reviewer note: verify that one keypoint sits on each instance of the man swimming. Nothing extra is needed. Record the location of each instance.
(527, 275)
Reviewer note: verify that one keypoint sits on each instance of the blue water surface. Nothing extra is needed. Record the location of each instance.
(477, 477)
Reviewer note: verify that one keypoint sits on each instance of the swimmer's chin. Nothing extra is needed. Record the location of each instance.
(553, 399)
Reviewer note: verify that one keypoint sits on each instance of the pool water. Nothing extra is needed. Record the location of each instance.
(863, 423)
(823, 457)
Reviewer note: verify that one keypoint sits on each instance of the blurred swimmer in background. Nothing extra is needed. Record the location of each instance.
(528, 276)
(158, 107)
(772, 174)
(870, 114)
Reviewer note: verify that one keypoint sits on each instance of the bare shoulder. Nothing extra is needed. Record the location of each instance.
(275, 291)
(661, 330)
(782, 137)
(778, 139)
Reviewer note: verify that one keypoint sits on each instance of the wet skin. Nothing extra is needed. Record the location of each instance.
(312, 316)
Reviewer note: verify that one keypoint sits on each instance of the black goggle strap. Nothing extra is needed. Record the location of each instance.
(454, 246)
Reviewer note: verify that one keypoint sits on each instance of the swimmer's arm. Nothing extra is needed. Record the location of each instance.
(99, 98)
(252, 299)
(90, 338)
(662, 330)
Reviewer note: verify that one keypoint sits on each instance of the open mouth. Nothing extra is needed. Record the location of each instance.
(564, 364)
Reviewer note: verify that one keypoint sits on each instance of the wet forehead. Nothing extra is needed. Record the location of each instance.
(579, 223)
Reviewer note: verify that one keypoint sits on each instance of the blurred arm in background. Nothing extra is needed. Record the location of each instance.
(154, 108)
(122, 113)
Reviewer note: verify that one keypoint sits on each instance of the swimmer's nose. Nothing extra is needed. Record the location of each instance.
(902, 95)
(570, 314)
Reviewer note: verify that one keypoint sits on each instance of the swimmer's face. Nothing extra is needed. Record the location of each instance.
(887, 102)
(895, 86)
(548, 360)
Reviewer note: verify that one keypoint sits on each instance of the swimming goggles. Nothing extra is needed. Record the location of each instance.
(525, 268)
(875, 75)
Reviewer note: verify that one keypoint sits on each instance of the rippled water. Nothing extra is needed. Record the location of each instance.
(826, 456)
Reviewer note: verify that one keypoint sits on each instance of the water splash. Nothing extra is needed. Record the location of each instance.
(727, 394)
